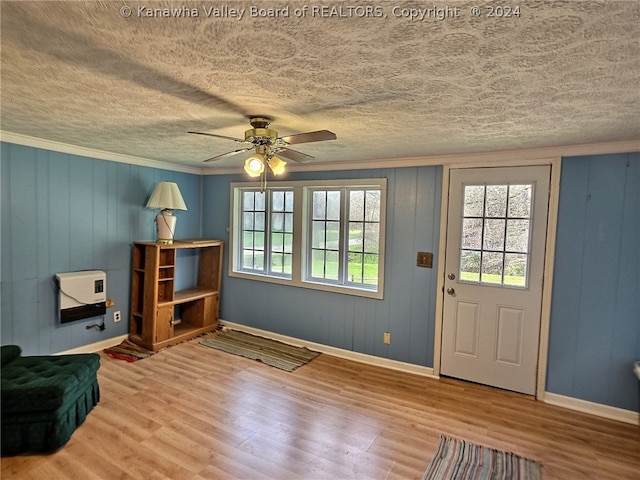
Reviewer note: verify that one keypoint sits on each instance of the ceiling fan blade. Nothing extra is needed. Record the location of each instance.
(228, 154)
(219, 136)
(294, 155)
(317, 136)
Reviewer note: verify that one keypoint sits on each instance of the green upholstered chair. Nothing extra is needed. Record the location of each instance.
(45, 398)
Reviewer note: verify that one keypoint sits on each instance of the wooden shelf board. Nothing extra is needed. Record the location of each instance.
(189, 295)
(185, 332)
(195, 243)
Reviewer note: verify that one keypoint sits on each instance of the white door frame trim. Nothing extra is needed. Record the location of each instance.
(552, 220)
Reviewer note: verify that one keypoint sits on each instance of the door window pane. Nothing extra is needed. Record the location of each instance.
(496, 204)
(472, 233)
(491, 267)
(495, 238)
(473, 200)
(470, 265)
(520, 201)
(493, 235)
(515, 269)
(517, 236)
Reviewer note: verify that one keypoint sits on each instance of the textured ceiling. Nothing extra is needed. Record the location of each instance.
(132, 78)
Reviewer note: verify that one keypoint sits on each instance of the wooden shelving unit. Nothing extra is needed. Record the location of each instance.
(160, 315)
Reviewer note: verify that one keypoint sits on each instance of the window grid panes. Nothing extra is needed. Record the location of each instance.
(326, 235)
(364, 234)
(496, 227)
(345, 236)
(267, 232)
(281, 232)
(253, 228)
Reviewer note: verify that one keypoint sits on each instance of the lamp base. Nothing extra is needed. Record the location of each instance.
(166, 227)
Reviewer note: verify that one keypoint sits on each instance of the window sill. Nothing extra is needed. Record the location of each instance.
(358, 292)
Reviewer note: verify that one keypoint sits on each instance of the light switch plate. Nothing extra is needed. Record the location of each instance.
(425, 259)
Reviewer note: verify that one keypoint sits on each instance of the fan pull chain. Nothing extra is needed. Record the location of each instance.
(263, 181)
(263, 178)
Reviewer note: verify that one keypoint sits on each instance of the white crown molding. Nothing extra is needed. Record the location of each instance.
(27, 141)
(485, 158)
(597, 409)
(467, 159)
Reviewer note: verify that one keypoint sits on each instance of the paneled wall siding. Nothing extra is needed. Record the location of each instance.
(345, 321)
(595, 315)
(63, 213)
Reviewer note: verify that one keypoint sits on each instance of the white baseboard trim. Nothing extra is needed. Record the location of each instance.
(591, 408)
(583, 406)
(612, 413)
(336, 352)
(95, 347)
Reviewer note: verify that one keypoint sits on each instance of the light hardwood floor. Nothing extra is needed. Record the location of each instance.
(192, 412)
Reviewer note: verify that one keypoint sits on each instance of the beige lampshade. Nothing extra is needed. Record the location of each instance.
(167, 197)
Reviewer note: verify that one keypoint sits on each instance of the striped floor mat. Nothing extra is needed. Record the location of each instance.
(460, 460)
(271, 352)
(128, 351)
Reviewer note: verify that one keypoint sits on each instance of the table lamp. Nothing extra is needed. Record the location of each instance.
(167, 197)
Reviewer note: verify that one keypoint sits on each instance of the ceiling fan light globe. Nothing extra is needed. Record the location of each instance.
(254, 165)
(277, 165)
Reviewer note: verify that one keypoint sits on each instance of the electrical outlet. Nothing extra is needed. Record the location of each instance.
(386, 338)
(116, 316)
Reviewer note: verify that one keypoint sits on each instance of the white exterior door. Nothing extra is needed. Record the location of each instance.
(494, 267)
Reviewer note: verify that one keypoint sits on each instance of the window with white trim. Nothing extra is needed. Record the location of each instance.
(267, 232)
(345, 232)
(326, 235)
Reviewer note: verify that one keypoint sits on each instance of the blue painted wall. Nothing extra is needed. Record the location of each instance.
(595, 315)
(595, 321)
(345, 321)
(64, 213)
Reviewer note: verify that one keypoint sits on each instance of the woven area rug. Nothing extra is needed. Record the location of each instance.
(271, 352)
(460, 460)
(128, 351)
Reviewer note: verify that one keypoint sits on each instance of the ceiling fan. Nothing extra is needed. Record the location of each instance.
(267, 144)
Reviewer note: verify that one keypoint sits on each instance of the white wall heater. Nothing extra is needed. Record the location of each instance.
(81, 294)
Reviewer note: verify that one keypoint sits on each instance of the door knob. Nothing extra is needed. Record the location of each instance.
(451, 291)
